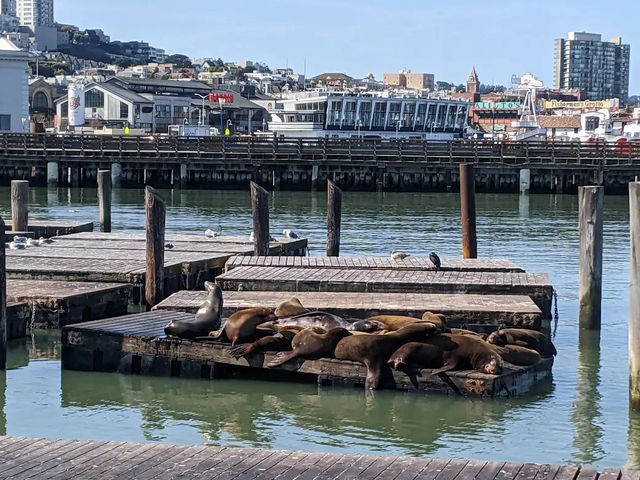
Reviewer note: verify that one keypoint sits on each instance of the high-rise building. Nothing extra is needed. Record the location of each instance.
(584, 62)
(35, 13)
(8, 7)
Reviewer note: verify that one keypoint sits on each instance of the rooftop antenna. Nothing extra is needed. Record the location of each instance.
(304, 75)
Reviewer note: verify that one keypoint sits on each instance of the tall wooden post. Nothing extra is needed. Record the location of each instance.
(3, 299)
(334, 219)
(468, 210)
(19, 205)
(634, 296)
(104, 199)
(156, 212)
(590, 200)
(260, 212)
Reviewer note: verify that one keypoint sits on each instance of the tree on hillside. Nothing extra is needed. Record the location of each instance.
(181, 61)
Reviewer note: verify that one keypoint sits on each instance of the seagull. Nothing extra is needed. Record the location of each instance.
(210, 233)
(17, 246)
(435, 259)
(252, 237)
(399, 255)
(289, 233)
(168, 246)
(19, 239)
(73, 211)
(44, 241)
(31, 242)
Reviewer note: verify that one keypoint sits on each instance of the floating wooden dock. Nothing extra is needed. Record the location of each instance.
(49, 229)
(52, 304)
(136, 344)
(374, 263)
(24, 458)
(257, 278)
(18, 319)
(463, 311)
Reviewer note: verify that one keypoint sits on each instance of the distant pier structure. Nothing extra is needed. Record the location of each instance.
(356, 164)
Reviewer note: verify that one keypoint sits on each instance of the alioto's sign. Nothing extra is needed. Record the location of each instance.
(497, 105)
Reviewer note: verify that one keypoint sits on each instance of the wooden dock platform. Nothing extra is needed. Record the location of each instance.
(49, 229)
(463, 311)
(256, 278)
(374, 263)
(25, 458)
(52, 304)
(18, 319)
(136, 344)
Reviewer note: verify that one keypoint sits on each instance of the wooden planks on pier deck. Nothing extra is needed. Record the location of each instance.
(46, 228)
(374, 263)
(137, 344)
(47, 459)
(52, 304)
(465, 311)
(537, 286)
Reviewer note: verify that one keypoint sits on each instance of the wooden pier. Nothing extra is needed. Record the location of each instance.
(313, 279)
(25, 458)
(50, 229)
(476, 312)
(136, 344)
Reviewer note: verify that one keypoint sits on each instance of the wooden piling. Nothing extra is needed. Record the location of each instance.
(19, 205)
(3, 299)
(468, 211)
(260, 211)
(590, 201)
(634, 296)
(154, 279)
(104, 199)
(334, 219)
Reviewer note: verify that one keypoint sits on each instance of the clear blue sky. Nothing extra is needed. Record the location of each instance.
(446, 38)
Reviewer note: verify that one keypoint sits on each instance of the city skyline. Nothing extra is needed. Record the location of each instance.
(360, 37)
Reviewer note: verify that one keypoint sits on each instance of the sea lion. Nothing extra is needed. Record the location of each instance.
(417, 354)
(437, 319)
(393, 323)
(290, 308)
(313, 343)
(375, 350)
(463, 352)
(532, 339)
(324, 320)
(463, 331)
(273, 343)
(517, 355)
(242, 325)
(207, 317)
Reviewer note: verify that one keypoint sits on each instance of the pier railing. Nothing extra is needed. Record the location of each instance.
(79, 148)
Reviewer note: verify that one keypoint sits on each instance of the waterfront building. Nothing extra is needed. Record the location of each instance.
(336, 81)
(411, 81)
(14, 94)
(584, 62)
(337, 114)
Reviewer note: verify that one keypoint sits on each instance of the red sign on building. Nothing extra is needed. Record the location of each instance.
(225, 97)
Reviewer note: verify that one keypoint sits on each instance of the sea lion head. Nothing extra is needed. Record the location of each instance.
(497, 338)
(290, 308)
(493, 365)
(364, 326)
(437, 319)
(418, 331)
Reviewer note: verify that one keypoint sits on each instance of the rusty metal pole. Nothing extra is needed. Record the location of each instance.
(468, 210)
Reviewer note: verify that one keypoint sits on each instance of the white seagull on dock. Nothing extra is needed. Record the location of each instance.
(289, 233)
(399, 255)
(32, 242)
(210, 233)
(17, 246)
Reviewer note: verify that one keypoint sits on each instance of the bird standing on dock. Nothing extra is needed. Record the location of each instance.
(32, 242)
(289, 233)
(435, 259)
(252, 237)
(19, 239)
(168, 246)
(17, 246)
(45, 241)
(399, 255)
(210, 233)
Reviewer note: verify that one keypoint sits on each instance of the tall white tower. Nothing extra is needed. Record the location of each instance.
(35, 13)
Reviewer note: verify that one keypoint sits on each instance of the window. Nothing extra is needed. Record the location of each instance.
(64, 110)
(124, 110)
(5, 122)
(94, 99)
(40, 103)
(163, 111)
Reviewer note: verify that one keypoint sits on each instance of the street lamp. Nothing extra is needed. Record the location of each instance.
(358, 126)
(221, 103)
(229, 124)
(201, 119)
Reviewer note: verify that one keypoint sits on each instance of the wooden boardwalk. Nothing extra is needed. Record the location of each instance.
(136, 344)
(53, 228)
(256, 278)
(24, 458)
(466, 311)
(375, 263)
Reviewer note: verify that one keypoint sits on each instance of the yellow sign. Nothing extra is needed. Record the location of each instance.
(556, 104)
(127, 130)
(227, 132)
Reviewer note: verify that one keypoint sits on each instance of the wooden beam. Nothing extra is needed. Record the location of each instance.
(260, 212)
(104, 199)
(3, 300)
(154, 279)
(590, 200)
(468, 211)
(19, 205)
(634, 296)
(334, 219)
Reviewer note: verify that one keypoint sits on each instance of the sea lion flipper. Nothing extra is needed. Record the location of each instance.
(449, 365)
(520, 343)
(282, 357)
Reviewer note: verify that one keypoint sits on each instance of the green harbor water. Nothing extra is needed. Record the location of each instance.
(580, 416)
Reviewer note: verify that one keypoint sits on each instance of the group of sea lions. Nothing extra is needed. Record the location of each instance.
(403, 343)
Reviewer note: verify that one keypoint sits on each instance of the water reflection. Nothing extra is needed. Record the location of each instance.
(586, 413)
(633, 460)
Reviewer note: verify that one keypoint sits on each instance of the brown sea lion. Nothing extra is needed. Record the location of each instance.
(311, 343)
(324, 320)
(207, 317)
(464, 352)
(437, 319)
(463, 331)
(242, 325)
(522, 337)
(517, 355)
(290, 308)
(375, 350)
(278, 342)
(417, 354)
(393, 323)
